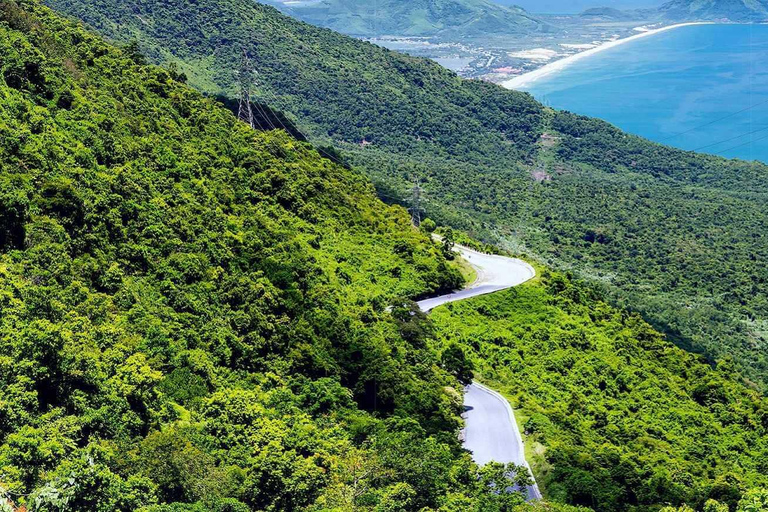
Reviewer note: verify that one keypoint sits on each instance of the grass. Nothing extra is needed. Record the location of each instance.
(468, 272)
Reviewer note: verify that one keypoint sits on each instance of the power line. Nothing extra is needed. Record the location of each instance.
(732, 138)
(277, 117)
(252, 73)
(742, 145)
(244, 110)
(712, 122)
(247, 77)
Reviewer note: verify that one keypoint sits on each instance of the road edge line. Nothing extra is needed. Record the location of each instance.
(518, 435)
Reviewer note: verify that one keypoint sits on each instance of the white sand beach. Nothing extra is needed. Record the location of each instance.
(535, 54)
(524, 80)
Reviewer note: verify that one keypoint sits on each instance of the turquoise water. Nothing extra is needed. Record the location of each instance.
(701, 87)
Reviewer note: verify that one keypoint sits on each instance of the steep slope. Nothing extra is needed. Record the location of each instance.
(675, 235)
(193, 312)
(733, 10)
(615, 418)
(369, 18)
(193, 315)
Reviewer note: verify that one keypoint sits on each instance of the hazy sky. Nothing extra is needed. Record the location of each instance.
(572, 6)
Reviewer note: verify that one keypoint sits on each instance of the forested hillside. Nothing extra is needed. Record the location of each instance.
(369, 18)
(195, 313)
(195, 316)
(616, 417)
(675, 235)
(733, 10)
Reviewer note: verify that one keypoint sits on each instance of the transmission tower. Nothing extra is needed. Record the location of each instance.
(415, 208)
(246, 76)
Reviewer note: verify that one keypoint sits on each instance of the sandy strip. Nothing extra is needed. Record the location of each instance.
(522, 81)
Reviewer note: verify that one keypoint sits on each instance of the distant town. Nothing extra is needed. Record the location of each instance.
(501, 58)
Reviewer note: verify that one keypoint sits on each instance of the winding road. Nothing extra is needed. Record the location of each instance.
(494, 273)
(490, 432)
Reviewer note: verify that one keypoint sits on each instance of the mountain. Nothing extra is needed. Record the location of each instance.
(733, 10)
(576, 6)
(368, 18)
(609, 13)
(197, 316)
(675, 235)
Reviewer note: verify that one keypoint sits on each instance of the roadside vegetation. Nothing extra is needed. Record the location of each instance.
(616, 417)
(675, 235)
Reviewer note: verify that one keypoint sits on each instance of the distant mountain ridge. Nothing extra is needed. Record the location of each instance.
(733, 10)
(369, 18)
(610, 13)
(605, 12)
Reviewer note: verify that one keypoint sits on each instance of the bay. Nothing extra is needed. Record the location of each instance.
(702, 88)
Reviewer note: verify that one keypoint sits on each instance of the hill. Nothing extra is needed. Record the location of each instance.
(615, 418)
(609, 13)
(193, 312)
(733, 10)
(576, 6)
(675, 235)
(369, 18)
(193, 318)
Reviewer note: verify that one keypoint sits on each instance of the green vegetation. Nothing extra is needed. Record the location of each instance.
(618, 417)
(193, 315)
(463, 238)
(755, 500)
(468, 272)
(734, 10)
(367, 18)
(677, 236)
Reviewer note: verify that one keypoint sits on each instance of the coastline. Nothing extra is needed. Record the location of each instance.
(522, 81)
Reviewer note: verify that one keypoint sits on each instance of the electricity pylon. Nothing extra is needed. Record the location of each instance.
(245, 78)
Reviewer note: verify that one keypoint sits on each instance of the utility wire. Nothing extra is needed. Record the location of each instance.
(732, 138)
(742, 145)
(712, 122)
(273, 100)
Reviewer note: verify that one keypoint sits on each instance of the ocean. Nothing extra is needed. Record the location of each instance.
(702, 88)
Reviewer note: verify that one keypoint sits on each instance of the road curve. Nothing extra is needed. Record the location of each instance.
(494, 273)
(490, 432)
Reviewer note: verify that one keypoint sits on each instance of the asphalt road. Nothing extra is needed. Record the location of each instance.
(490, 432)
(494, 273)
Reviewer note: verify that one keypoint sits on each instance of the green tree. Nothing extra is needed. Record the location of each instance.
(448, 244)
(457, 363)
(428, 225)
(754, 500)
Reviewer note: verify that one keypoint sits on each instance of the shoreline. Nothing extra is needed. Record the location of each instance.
(526, 79)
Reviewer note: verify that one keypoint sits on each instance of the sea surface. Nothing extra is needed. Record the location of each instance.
(701, 88)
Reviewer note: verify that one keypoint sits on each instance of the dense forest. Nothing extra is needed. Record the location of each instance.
(616, 417)
(675, 235)
(194, 316)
